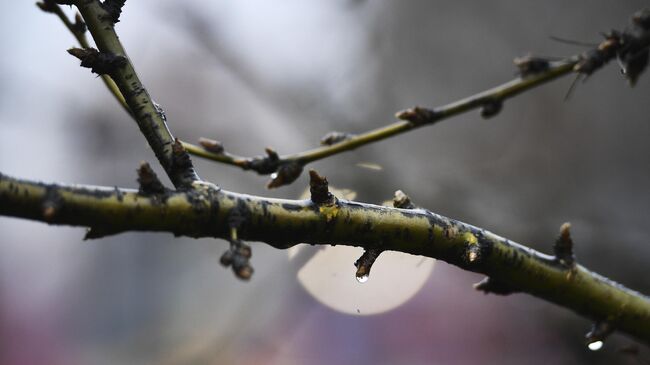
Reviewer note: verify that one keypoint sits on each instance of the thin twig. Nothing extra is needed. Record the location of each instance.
(79, 32)
(629, 46)
(354, 141)
(149, 116)
(534, 71)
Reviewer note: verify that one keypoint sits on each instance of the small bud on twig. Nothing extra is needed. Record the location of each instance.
(364, 264)
(417, 115)
(114, 9)
(211, 145)
(529, 65)
(181, 161)
(319, 189)
(491, 108)
(79, 26)
(48, 6)
(401, 200)
(148, 180)
(563, 247)
(286, 174)
(98, 62)
(332, 138)
(272, 154)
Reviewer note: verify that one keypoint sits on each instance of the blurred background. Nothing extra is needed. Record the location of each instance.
(282, 74)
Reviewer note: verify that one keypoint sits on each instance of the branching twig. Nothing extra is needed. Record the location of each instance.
(206, 212)
(200, 209)
(630, 46)
(100, 19)
(78, 29)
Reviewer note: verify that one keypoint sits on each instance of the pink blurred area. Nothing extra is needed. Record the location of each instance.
(282, 74)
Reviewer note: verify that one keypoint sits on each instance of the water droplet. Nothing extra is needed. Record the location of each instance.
(595, 346)
(362, 278)
(472, 256)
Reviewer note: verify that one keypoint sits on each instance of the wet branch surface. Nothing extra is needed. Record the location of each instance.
(201, 209)
(208, 211)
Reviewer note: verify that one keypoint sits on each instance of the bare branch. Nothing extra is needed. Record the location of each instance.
(149, 116)
(630, 46)
(207, 211)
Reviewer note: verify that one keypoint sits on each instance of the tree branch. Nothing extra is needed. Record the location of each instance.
(78, 30)
(150, 118)
(207, 211)
(201, 209)
(629, 46)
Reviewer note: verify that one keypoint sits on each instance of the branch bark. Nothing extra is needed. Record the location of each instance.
(208, 211)
(201, 209)
(148, 115)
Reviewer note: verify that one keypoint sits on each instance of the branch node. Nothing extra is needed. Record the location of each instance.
(286, 173)
(418, 116)
(181, 163)
(529, 65)
(364, 264)
(634, 55)
(101, 63)
(491, 108)
(114, 9)
(402, 201)
(148, 180)
(489, 285)
(319, 189)
(271, 154)
(211, 145)
(563, 247)
(333, 138)
(596, 58)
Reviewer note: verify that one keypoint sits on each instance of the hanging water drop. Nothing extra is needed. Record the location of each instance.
(595, 345)
(363, 278)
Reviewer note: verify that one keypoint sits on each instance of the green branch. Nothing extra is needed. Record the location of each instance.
(629, 46)
(207, 211)
(200, 209)
(113, 60)
(78, 30)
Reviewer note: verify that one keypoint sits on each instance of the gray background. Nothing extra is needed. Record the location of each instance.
(282, 74)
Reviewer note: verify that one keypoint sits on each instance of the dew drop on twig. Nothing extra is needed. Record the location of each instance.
(595, 345)
(362, 278)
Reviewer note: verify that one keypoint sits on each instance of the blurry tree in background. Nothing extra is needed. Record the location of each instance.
(254, 74)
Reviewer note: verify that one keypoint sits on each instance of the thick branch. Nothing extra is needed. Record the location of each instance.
(149, 116)
(205, 212)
